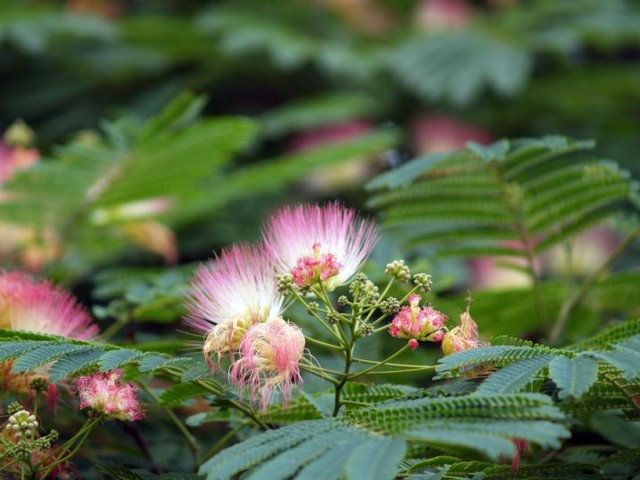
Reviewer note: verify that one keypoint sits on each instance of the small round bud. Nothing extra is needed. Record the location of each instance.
(12, 419)
(15, 427)
(367, 329)
(27, 433)
(31, 418)
(422, 281)
(35, 424)
(285, 283)
(312, 307)
(40, 385)
(370, 290)
(23, 425)
(14, 407)
(390, 306)
(343, 300)
(332, 318)
(398, 270)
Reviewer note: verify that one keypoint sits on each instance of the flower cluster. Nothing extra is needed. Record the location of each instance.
(235, 300)
(105, 394)
(418, 324)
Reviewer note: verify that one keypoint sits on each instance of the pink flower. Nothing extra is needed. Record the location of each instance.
(104, 393)
(230, 294)
(435, 134)
(463, 337)
(415, 323)
(442, 15)
(319, 244)
(42, 307)
(268, 362)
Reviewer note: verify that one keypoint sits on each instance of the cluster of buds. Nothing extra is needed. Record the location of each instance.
(22, 425)
(398, 270)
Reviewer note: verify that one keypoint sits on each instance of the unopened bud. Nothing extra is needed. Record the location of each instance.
(332, 318)
(399, 270)
(285, 283)
(422, 281)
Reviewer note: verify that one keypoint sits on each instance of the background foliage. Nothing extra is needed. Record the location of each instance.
(168, 130)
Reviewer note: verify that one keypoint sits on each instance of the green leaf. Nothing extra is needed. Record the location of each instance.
(118, 358)
(45, 354)
(73, 363)
(376, 459)
(573, 376)
(514, 377)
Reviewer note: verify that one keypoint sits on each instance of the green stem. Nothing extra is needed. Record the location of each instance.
(572, 302)
(317, 317)
(379, 364)
(220, 444)
(406, 370)
(245, 409)
(191, 441)
(622, 390)
(330, 346)
(318, 372)
(80, 436)
(114, 328)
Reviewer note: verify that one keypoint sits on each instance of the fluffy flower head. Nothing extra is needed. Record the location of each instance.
(105, 393)
(42, 307)
(319, 244)
(269, 360)
(230, 294)
(415, 323)
(463, 337)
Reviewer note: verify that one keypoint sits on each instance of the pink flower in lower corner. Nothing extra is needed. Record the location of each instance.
(319, 244)
(418, 324)
(269, 359)
(230, 294)
(40, 306)
(105, 393)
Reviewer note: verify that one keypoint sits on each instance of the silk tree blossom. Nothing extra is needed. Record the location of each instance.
(319, 244)
(463, 337)
(42, 307)
(269, 359)
(418, 324)
(230, 294)
(104, 393)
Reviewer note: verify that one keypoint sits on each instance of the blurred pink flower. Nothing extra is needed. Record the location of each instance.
(106, 394)
(418, 324)
(230, 294)
(589, 250)
(319, 244)
(436, 134)
(269, 359)
(442, 15)
(351, 172)
(42, 307)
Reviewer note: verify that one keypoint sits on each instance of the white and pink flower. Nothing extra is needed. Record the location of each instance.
(42, 307)
(230, 294)
(463, 337)
(269, 359)
(418, 324)
(105, 393)
(319, 244)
